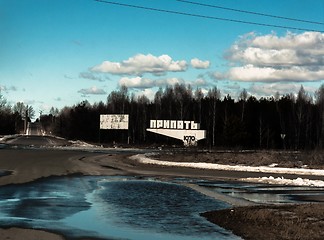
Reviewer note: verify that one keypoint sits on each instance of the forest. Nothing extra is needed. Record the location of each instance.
(293, 121)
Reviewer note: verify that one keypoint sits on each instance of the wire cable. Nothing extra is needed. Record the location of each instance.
(250, 12)
(207, 17)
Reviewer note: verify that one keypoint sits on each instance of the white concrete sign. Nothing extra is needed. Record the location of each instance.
(186, 131)
(114, 121)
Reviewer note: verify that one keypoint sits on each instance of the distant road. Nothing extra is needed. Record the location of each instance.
(34, 129)
(35, 140)
(35, 137)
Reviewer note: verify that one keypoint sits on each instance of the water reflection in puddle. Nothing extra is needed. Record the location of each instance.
(263, 193)
(110, 208)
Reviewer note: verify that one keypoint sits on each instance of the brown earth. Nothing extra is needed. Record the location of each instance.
(312, 159)
(27, 234)
(289, 221)
(275, 222)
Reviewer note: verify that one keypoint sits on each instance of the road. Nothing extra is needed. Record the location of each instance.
(34, 129)
(35, 137)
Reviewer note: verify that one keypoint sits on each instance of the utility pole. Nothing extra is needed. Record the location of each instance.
(26, 117)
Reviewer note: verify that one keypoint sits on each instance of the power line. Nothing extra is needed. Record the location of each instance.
(206, 17)
(251, 12)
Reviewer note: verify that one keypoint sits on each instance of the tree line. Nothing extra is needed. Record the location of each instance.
(13, 119)
(292, 121)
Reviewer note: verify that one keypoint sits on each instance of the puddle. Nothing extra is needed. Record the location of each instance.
(111, 208)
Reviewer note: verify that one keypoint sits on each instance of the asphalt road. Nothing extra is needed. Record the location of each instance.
(35, 140)
(35, 137)
(34, 129)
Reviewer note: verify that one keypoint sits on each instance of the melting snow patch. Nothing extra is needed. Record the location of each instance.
(79, 143)
(202, 165)
(273, 165)
(283, 181)
(8, 137)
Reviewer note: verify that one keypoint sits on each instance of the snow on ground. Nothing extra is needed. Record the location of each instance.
(82, 144)
(264, 169)
(6, 137)
(202, 165)
(283, 181)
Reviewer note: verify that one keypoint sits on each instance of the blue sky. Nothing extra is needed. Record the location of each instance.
(58, 53)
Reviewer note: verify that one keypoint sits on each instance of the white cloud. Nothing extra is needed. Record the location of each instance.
(92, 76)
(253, 73)
(92, 91)
(217, 75)
(306, 40)
(199, 64)
(169, 81)
(198, 82)
(259, 90)
(139, 82)
(140, 64)
(136, 82)
(148, 92)
(270, 58)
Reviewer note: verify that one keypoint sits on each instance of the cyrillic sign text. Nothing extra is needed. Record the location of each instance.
(174, 124)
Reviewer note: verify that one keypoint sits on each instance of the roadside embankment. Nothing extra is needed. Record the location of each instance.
(272, 222)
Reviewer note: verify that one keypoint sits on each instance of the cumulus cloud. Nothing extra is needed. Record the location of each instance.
(141, 83)
(92, 91)
(271, 74)
(92, 76)
(199, 64)
(136, 82)
(270, 89)
(140, 64)
(169, 81)
(199, 82)
(148, 92)
(270, 58)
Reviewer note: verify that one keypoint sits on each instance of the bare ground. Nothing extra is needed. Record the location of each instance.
(257, 222)
(27, 234)
(304, 221)
(289, 222)
(311, 159)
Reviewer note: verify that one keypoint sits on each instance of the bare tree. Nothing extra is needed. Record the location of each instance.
(198, 97)
(183, 96)
(19, 108)
(243, 97)
(302, 102)
(320, 103)
(117, 100)
(214, 96)
(158, 103)
(3, 102)
(24, 111)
